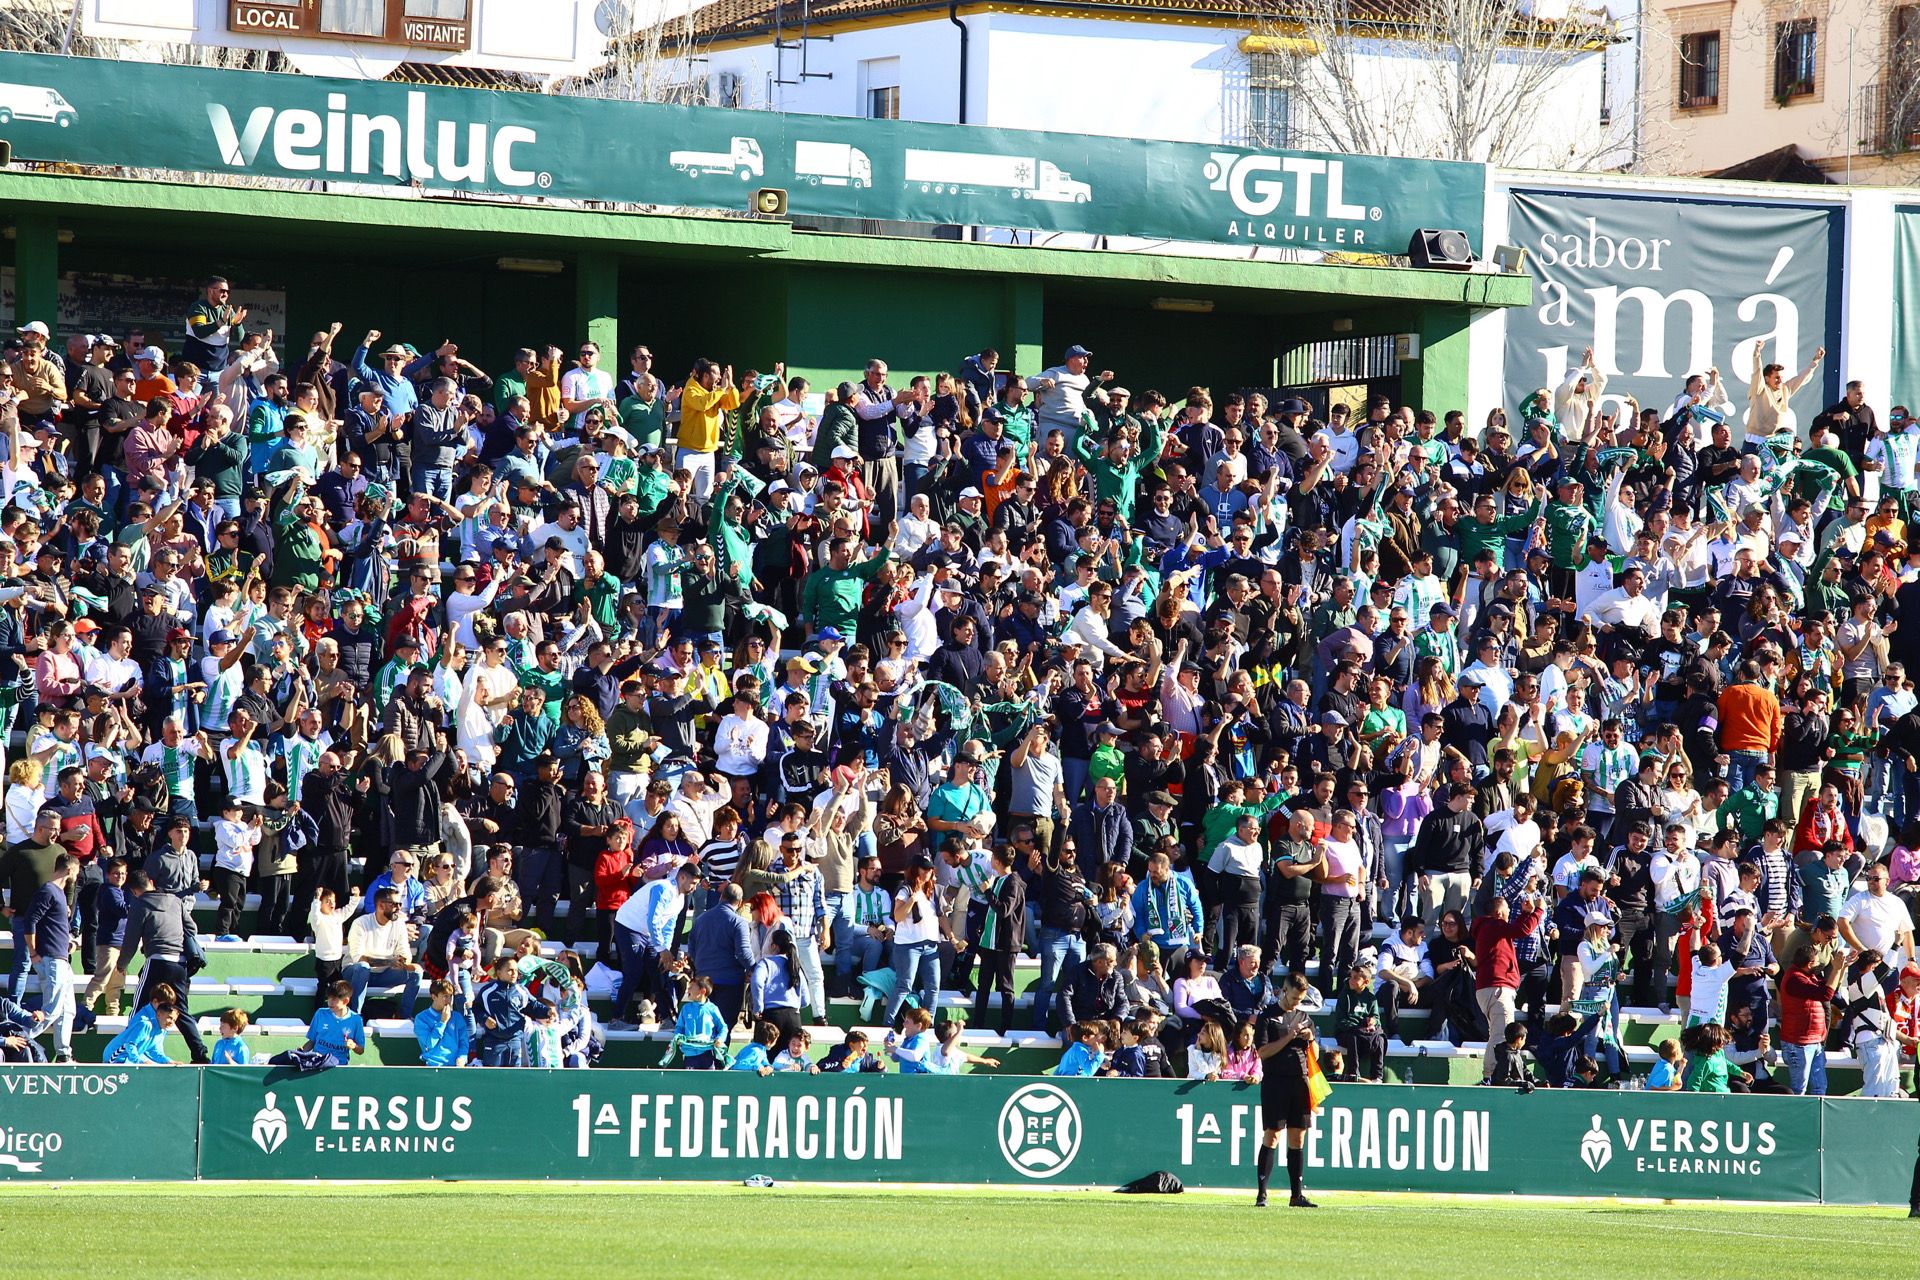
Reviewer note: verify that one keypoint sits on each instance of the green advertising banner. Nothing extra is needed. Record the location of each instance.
(1906, 297)
(98, 1124)
(1869, 1150)
(414, 1123)
(1666, 286)
(202, 120)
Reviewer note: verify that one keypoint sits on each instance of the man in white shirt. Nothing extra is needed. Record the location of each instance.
(586, 384)
(379, 956)
(1626, 605)
(1062, 392)
(1875, 920)
(565, 526)
(695, 804)
(112, 668)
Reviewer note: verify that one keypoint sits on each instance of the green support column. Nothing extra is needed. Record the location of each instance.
(1438, 379)
(1023, 313)
(36, 269)
(597, 307)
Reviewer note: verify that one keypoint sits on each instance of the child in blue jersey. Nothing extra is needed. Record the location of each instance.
(442, 1032)
(852, 1055)
(230, 1050)
(915, 1050)
(144, 1041)
(700, 1033)
(755, 1056)
(1087, 1055)
(336, 1030)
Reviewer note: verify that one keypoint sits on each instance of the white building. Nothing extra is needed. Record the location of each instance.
(1207, 71)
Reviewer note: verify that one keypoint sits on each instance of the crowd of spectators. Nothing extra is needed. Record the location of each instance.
(745, 696)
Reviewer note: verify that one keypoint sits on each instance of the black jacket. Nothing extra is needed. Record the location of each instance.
(413, 803)
(1088, 995)
(329, 801)
(1449, 842)
(1009, 901)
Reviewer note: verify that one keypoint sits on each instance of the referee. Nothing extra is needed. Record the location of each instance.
(1281, 1040)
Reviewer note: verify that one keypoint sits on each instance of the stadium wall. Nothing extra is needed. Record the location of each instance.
(73, 1124)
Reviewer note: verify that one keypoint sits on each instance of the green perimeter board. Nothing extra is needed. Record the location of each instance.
(98, 1124)
(678, 1125)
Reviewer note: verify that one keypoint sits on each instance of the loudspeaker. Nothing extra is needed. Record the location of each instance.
(769, 202)
(1443, 250)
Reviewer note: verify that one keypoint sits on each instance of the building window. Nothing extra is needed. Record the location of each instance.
(880, 87)
(1796, 59)
(354, 17)
(1270, 85)
(1700, 70)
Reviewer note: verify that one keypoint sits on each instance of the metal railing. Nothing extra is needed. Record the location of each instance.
(1889, 118)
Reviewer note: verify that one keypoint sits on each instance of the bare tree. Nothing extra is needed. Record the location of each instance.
(647, 61)
(1495, 81)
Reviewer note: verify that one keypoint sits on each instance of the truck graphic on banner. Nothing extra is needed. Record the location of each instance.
(972, 173)
(742, 159)
(831, 164)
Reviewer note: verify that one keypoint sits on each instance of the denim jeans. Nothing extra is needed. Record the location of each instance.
(1057, 946)
(21, 962)
(857, 948)
(1073, 777)
(807, 951)
(1398, 898)
(360, 978)
(228, 507)
(1741, 766)
(1806, 1068)
(916, 969)
(56, 1000)
(1879, 1068)
(437, 481)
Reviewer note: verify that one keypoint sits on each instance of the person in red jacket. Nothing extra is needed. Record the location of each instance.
(1804, 997)
(1497, 977)
(1821, 821)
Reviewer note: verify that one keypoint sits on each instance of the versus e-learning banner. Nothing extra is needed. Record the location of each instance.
(205, 120)
(1662, 287)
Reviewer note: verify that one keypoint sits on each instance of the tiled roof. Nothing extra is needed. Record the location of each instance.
(727, 19)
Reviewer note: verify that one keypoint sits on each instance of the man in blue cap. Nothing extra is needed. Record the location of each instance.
(1061, 394)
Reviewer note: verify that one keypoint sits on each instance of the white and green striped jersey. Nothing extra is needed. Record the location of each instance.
(176, 765)
(387, 679)
(870, 907)
(1418, 595)
(303, 756)
(246, 770)
(223, 691)
(663, 563)
(976, 873)
(66, 755)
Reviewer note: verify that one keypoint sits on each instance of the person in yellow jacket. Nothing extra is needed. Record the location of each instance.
(704, 404)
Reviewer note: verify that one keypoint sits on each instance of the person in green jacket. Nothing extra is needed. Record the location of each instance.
(734, 546)
(1117, 469)
(831, 595)
(513, 383)
(1569, 524)
(838, 426)
(1707, 1067)
(644, 416)
(1220, 820)
(220, 456)
(1483, 529)
(297, 549)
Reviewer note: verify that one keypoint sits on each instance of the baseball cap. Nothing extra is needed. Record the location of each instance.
(154, 354)
(778, 486)
(845, 451)
(970, 492)
(86, 626)
(1294, 405)
(829, 633)
(1074, 352)
(1911, 971)
(221, 636)
(35, 326)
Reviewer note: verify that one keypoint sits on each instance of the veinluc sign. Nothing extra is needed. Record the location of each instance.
(410, 147)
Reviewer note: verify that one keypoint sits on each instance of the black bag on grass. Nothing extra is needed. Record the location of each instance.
(1157, 1183)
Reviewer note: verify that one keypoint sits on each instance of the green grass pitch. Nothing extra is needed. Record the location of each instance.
(428, 1231)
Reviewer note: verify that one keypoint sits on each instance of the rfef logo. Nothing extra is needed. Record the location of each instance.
(1039, 1131)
